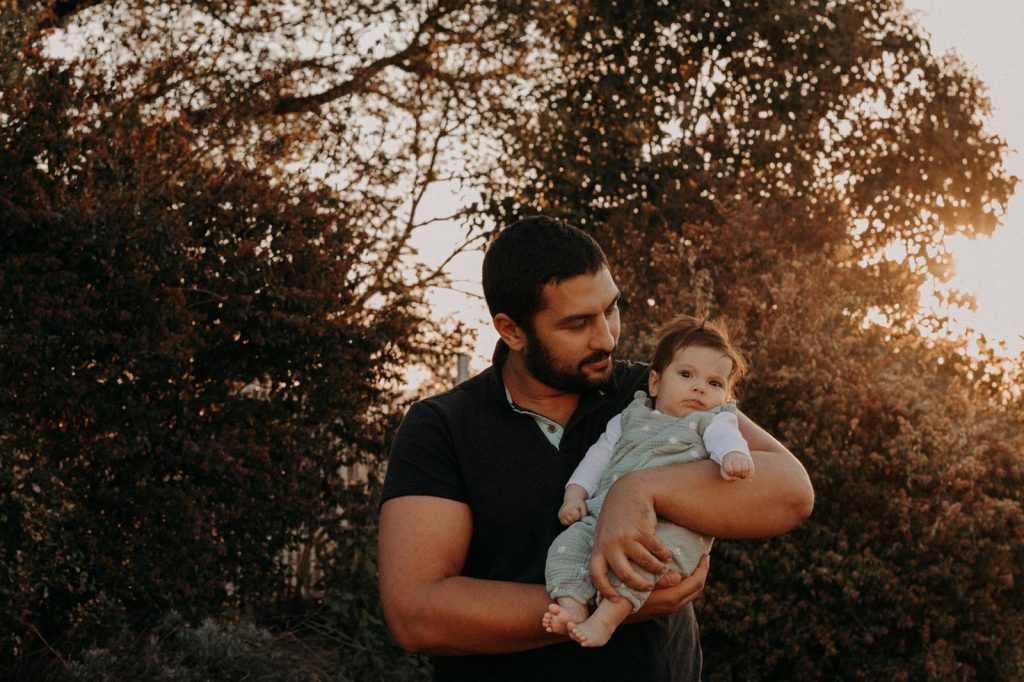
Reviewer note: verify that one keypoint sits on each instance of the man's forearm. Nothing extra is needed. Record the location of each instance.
(460, 615)
(429, 605)
(695, 496)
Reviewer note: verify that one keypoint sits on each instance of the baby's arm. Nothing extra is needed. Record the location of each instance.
(574, 504)
(587, 475)
(736, 465)
(728, 448)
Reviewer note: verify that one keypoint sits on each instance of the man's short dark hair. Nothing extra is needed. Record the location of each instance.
(527, 255)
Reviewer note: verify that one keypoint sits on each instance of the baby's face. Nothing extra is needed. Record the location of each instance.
(697, 379)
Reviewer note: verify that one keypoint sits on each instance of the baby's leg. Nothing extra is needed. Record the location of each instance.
(566, 576)
(563, 615)
(598, 629)
(686, 546)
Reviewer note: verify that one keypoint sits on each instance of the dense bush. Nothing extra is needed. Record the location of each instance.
(911, 565)
(764, 162)
(174, 650)
(310, 650)
(348, 615)
(198, 340)
(189, 369)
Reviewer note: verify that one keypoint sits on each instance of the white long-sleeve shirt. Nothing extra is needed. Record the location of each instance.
(721, 437)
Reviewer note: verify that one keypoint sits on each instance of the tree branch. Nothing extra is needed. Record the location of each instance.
(421, 182)
(402, 59)
(64, 11)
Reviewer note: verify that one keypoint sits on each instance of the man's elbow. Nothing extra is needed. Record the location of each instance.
(801, 502)
(407, 629)
(795, 494)
(408, 639)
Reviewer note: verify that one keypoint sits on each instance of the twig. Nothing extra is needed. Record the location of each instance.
(42, 639)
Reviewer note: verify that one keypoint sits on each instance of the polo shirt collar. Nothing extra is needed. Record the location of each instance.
(551, 429)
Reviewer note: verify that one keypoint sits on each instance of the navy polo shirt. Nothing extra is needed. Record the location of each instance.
(470, 445)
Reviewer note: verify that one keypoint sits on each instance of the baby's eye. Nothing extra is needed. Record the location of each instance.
(715, 383)
(685, 373)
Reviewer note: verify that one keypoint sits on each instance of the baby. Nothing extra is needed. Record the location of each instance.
(694, 369)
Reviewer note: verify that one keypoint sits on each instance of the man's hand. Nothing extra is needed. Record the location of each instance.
(673, 592)
(625, 536)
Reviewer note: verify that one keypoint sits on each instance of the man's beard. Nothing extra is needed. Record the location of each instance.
(541, 364)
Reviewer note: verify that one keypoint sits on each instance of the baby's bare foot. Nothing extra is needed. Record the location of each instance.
(558, 618)
(591, 633)
(554, 620)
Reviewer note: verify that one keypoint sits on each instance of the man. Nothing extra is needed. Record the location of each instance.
(476, 478)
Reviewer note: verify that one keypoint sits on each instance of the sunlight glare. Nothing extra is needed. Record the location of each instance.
(992, 269)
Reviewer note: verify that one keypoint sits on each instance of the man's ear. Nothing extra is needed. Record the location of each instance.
(511, 333)
(652, 383)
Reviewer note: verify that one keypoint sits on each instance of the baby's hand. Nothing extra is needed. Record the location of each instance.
(736, 465)
(572, 511)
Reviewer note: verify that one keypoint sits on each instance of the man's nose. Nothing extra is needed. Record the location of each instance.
(603, 338)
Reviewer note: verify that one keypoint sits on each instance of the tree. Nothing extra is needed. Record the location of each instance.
(383, 101)
(909, 566)
(207, 279)
(837, 103)
(200, 337)
(760, 161)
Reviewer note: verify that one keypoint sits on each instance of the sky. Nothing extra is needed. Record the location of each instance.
(986, 35)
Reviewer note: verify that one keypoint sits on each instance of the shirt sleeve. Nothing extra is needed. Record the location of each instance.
(588, 473)
(722, 436)
(423, 459)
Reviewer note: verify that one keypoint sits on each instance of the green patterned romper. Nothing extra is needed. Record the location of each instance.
(648, 439)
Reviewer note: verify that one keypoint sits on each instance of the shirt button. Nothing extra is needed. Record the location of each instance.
(552, 428)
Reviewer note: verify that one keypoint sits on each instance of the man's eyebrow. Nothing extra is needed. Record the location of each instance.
(573, 318)
(586, 316)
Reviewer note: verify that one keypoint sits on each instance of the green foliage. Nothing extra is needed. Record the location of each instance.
(350, 615)
(210, 651)
(652, 112)
(196, 355)
(910, 566)
(200, 341)
(753, 162)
